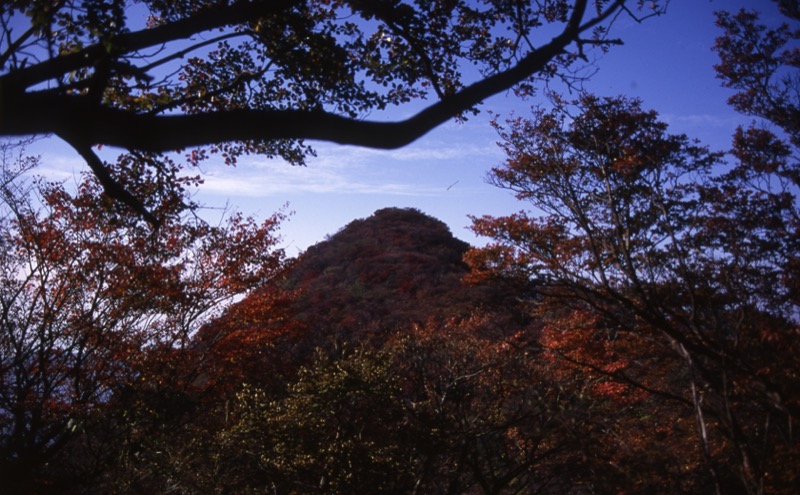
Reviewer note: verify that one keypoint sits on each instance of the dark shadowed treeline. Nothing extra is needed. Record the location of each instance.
(634, 331)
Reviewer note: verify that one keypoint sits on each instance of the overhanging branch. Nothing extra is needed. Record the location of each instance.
(205, 20)
(111, 187)
(96, 124)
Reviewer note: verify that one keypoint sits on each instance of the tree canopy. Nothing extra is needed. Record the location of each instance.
(96, 307)
(682, 258)
(261, 76)
(636, 330)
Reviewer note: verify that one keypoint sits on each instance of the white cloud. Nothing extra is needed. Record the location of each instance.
(56, 162)
(423, 169)
(277, 178)
(409, 171)
(702, 120)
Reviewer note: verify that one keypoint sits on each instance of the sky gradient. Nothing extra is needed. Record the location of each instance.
(667, 62)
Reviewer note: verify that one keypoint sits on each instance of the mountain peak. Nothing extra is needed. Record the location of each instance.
(397, 267)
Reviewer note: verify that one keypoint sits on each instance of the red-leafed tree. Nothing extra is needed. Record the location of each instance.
(98, 311)
(438, 409)
(255, 341)
(642, 429)
(643, 228)
(261, 76)
(762, 65)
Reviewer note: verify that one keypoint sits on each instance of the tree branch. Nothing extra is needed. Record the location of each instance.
(205, 20)
(96, 124)
(110, 185)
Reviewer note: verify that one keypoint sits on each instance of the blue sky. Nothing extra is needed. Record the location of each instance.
(667, 62)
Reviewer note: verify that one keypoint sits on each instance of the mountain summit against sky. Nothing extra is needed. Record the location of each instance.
(373, 250)
(375, 279)
(378, 274)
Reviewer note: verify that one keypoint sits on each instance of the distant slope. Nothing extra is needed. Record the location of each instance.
(378, 274)
(374, 278)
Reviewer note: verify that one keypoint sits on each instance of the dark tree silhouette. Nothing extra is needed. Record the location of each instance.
(97, 314)
(261, 76)
(640, 226)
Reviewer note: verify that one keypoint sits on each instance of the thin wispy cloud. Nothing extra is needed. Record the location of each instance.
(57, 165)
(713, 130)
(278, 178)
(336, 169)
(347, 170)
(411, 171)
(703, 120)
(429, 151)
(261, 185)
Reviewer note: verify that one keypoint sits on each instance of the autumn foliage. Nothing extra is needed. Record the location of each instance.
(241, 77)
(633, 330)
(675, 264)
(99, 312)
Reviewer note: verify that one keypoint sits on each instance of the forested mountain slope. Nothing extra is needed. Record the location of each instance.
(373, 279)
(380, 274)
